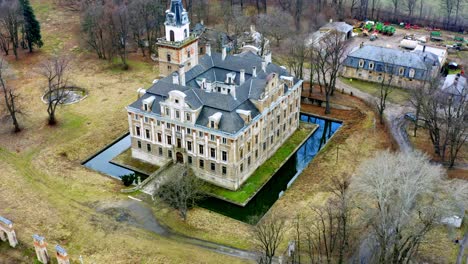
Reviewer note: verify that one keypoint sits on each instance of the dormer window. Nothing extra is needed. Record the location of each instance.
(401, 71)
(361, 63)
(371, 65)
(147, 103)
(213, 121)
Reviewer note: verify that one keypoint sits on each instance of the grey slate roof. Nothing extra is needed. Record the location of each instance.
(339, 26)
(454, 85)
(215, 68)
(390, 56)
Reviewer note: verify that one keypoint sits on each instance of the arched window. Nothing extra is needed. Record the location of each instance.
(168, 57)
(401, 71)
(371, 65)
(361, 63)
(171, 35)
(185, 33)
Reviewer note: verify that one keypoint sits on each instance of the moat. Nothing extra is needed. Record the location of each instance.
(265, 198)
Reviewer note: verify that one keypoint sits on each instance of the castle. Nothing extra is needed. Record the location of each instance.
(223, 115)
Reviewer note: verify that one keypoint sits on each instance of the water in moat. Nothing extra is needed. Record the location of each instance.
(283, 178)
(101, 161)
(265, 198)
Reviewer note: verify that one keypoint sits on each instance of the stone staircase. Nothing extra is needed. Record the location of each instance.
(173, 170)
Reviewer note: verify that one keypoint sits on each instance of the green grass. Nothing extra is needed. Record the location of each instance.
(398, 95)
(126, 159)
(263, 173)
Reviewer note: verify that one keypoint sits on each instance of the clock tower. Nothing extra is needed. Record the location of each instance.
(178, 49)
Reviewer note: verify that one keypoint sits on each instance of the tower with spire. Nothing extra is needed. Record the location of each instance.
(178, 50)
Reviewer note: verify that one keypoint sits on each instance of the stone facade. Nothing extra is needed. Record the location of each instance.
(7, 233)
(404, 69)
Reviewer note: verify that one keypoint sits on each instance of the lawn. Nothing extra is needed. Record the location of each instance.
(263, 173)
(397, 96)
(126, 160)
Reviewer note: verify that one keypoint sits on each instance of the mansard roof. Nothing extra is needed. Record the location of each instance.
(390, 56)
(214, 68)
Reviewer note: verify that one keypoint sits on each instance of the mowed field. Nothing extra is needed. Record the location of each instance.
(43, 187)
(45, 190)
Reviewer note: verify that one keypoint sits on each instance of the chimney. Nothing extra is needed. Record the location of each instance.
(254, 71)
(264, 65)
(175, 78)
(242, 77)
(182, 75)
(208, 49)
(424, 48)
(224, 53)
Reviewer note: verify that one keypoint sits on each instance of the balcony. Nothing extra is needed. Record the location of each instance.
(176, 44)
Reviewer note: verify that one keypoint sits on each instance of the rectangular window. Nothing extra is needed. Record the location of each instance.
(169, 140)
(213, 166)
(187, 116)
(224, 140)
(224, 170)
(169, 153)
(202, 163)
(178, 128)
(248, 146)
(148, 147)
(200, 149)
(213, 153)
(248, 161)
(242, 167)
(146, 119)
(224, 155)
(256, 139)
(264, 145)
(158, 123)
(177, 114)
(241, 153)
(139, 144)
(136, 117)
(212, 137)
(160, 151)
(256, 153)
(189, 146)
(147, 133)
(167, 111)
(168, 125)
(189, 158)
(159, 137)
(138, 132)
(200, 134)
(189, 131)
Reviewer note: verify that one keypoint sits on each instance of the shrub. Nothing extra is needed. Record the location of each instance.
(128, 179)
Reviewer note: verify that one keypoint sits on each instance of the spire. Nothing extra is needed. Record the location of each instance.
(176, 14)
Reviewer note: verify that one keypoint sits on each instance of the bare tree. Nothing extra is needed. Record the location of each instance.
(54, 71)
(403, 197)
(10, 96)
(410, 5)
(120, 31)
(385, 89)
(448, 6)
(445, 118)
(4, 41)
(181, 192)
(327, 55)
(298, 53)
(95, 23)
(274, 25)
(145, 22)
(268, 235)
(395, 4)
(12, 19)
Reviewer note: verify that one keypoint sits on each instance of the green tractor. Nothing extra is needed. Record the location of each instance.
(379, 26)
